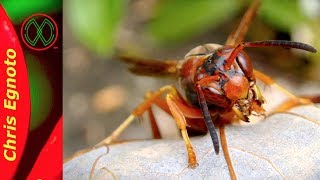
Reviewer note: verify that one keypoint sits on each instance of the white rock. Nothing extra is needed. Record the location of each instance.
(281, 146)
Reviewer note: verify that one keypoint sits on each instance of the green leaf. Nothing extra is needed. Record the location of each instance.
(282, 15)
(177, 20)
(18, 10)
(94, 23)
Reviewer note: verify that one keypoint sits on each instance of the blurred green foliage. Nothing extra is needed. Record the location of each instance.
(283, 16)
(177, 20)
(18, 10)
(94, 23)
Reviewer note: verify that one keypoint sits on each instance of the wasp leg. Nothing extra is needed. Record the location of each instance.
(154, 98)
(224, 144)
(152, 119)
(292, 102)
(174, 105)
(137, 112)
(154, 126)
(269, 81)
(193, 115)
(182, 125)
(188, 112)
(312, 98)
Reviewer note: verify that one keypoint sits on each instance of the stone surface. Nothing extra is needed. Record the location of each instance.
(284, 145)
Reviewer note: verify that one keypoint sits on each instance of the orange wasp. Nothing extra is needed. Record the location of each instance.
(217, 86)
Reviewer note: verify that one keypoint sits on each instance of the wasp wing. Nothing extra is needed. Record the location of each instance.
(239, 33)
(151, 67)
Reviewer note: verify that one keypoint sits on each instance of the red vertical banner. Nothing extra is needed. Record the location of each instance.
(14, 99)
(51, 152)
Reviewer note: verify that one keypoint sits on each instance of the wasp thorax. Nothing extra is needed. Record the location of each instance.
(203, 49)
(213, 64)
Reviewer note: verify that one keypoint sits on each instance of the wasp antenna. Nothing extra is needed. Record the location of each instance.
(268, 43)
(281, 43)
(207, 119)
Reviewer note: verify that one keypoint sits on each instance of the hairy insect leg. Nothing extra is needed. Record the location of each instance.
(182, 125)
(138, 111)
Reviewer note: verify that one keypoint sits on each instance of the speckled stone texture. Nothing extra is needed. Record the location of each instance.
(281, 146)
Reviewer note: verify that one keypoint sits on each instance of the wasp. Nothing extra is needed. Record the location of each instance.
(216, 86)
